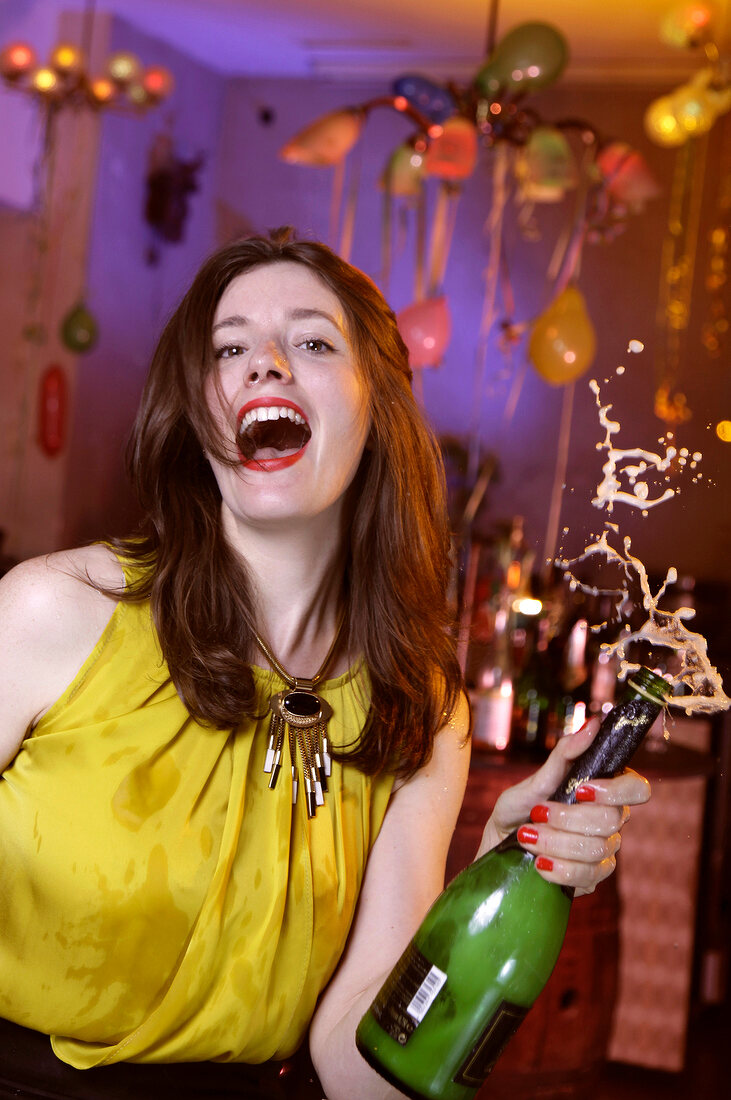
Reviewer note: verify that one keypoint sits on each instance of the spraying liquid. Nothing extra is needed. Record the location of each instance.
(703, 684)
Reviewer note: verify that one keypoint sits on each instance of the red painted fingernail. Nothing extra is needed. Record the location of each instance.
(543, 863)
(585, 794)
(539, 814)
(526, 835)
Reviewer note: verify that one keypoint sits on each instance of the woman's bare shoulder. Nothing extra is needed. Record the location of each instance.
(60, 588)
(52, 617)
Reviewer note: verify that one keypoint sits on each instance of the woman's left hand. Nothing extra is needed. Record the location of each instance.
(576, 845)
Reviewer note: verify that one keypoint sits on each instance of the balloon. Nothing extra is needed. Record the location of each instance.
(425, 329)
(326, 141)
(628, 179)
(530, 56)
(661, 124)
(453, 154)
(693, 109)
(545, 167)
(404, 172)
(79, 330)
(685, 23)
(562, 342)
(426, 96)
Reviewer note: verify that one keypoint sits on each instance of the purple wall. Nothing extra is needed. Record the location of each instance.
(130, 298)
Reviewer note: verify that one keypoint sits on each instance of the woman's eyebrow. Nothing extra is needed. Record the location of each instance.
(305, 314)
(229, 322)
(299, 314)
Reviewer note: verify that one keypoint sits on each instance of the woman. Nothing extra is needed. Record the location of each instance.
(235, 747)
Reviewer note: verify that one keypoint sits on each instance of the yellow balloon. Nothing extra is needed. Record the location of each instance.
(562, 342)
(661, 123)
(693, 109)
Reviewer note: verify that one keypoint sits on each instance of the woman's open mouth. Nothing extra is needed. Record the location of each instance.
(271, 434)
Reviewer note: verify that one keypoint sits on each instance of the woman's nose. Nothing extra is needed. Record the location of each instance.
(268, 360)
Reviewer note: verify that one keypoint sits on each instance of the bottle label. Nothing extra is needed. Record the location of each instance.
(501, 1027)
(407, 995)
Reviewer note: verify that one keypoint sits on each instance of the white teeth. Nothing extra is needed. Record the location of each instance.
(273, 412)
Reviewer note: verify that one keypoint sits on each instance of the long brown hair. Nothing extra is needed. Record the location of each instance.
(397, 559)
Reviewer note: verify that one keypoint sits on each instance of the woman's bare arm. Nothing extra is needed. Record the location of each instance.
(405, 872)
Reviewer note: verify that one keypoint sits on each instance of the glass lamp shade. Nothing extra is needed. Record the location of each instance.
(16, 60)
(326, 141)
(452, 155)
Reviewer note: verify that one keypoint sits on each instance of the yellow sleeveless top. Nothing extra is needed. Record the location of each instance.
(159, 903)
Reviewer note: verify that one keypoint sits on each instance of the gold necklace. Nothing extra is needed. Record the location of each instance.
(303, 715)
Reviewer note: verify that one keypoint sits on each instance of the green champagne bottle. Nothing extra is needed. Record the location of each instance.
(487, 946)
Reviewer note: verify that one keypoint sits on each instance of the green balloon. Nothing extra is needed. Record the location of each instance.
(79, 330)
(529, 57)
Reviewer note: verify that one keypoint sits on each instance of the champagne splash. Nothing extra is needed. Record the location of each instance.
(610, 490)
(661, 628)
(625, 482)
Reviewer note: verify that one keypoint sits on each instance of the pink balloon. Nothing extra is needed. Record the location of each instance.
(425, 329)
(629, 180)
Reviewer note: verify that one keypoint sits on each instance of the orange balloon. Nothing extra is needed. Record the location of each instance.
(453, 154)
(562, 342)
(425, 329)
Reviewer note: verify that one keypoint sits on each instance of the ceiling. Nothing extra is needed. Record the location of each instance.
(612, 40)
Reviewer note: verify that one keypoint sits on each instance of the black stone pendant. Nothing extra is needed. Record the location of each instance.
(303, 715)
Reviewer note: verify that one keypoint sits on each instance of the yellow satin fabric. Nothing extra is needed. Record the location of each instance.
(159, 903)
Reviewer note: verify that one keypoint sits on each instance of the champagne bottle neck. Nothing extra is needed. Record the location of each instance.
(620, 734)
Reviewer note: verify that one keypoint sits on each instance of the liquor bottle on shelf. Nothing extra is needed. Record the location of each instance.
(533, 696)
(492, 696)
(488, 944)
(492, 688)
(573, 697)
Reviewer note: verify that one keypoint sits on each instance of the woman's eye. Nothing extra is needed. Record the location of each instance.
(228, 351)
(314, 344)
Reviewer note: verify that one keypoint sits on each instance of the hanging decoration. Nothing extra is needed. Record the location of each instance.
(454, 126)
(601, 180)
(52, 410)
(714, 332)
(170, 181)
(682, 119)
(64, 81)
(79, 331)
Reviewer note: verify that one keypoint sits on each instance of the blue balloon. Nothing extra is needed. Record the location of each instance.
(427, 97)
